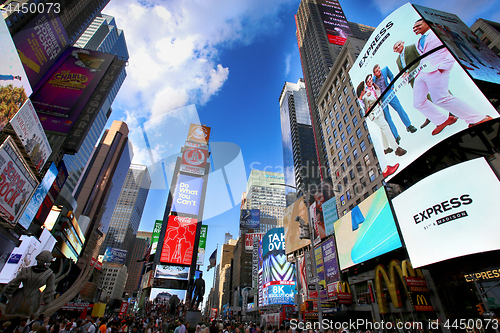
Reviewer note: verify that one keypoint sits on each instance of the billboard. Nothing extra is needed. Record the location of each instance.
(40, 43)
(202, 245)
(367, 231)
(116, 256)
(249, 240)
(250, 219)
(331, 265)
(441, 218)
(334, 21)
(320, 270)
(330, 215)
(323, 194)
(68, 87)
(179, 240)
(37, 199)
(472, 53)
(194, 161)
(413, 91)
(30, 131)
(155, 236)
(14, 85)
(187, 195)
(48, 202)
(17, 184)
(172, 272)
(198, 133)
(292, 230)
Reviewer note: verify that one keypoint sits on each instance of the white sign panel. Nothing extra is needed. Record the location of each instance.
(30, 131)
(451, 213)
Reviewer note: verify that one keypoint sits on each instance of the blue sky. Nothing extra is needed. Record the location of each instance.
(222, 63)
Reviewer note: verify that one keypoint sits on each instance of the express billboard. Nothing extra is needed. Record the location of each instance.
(30, 131)
(14, 84)
(187, 195)
(292, 229)
(367, 231)
(458, 209)
(250, 219)
(40, 43)
(178, 243)
(413, 91)
(334, 21)
(114, 255)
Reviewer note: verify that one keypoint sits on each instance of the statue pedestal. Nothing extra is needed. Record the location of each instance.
(193, 317)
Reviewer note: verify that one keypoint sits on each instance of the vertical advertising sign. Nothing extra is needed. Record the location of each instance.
(331, 265)
(330, 215)
(413, 91)
(334, 21)
(249, 240)
(249, 219)
(30, 131)
(40, 43)
(179, 240)
(187, 195)
(201, 245)
(311, 287)
(194, 161)
(155, 236)
(322, 195)
(320, 269)
(255, 263)
(292, 229)
(199, 133)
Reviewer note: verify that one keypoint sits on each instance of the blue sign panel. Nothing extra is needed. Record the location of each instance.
(187, 195)
(273, 241)
(281, 294)
(116, 256)
(250, 219)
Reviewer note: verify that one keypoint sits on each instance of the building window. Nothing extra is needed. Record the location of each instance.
(345, 90)
(342, 200)
(362, 181)
(362, 145)
(351, 173)
(479, 32)
(365, 125)
(371, 175)
(348, 195)
(346, 118)
(355, 153)
(355, 120)
(369, 138)
(367, 160)
(348, 129)
(342, 108)
(330, 140)
(359, 133)
(358, 167)
(342, 136)
(330, 114)
(346, 149)
(351, 110)
(348, 160)
(486, 41)
(375, 188)
(340, 155)
(334, 160)
(334, 132)
(342, 167)
(337, 116)
(335, 106)
(345, 181)
(337, 144)
(328, 130)
(348, 99)
(339, 187)
(340, 126)
(352, 141)
(340, 98)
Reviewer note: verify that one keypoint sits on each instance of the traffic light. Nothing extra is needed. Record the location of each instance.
(480, 308)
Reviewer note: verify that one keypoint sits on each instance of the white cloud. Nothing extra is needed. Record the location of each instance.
(288, 59)
(174, 48)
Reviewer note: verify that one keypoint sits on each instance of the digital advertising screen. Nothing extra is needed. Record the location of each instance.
(249, 240)
(250, 219)
(187, 195)
(194, 160)
(413, 91)
(179, 240)
(199, 133)
(367, 231)
(449, 214)
(334, 21)
(330, 215)
(172, 272)
(116, 256)
(155, 235)
(202, 245)
(330, 263)
(292, 227)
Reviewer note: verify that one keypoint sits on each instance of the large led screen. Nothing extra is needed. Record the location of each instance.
(334, 21)
(451, 213)
(187, 195)
(472, 53)
(116, 256)
(367, 231)
(424, 96)
(179, 240)
(172, 272)
(292, 229)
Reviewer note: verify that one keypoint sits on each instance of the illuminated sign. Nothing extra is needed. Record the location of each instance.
(116, 256)
(483, 275)
(179, 240)
(187, 195)
(194, 161)
(199, 133)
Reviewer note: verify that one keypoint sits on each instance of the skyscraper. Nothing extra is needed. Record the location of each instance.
(104, 36)
(127, 214)
(318, 53)
(299, 152)
(136, 263)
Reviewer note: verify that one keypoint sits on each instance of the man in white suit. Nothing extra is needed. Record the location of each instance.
(434, 79)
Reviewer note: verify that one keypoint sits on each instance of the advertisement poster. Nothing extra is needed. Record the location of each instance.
(17, 184)
(292, 227)
(40, 43)
(311, 287)
(179, 240)
(54, 190)
(194, 161)
(187, 195)
(452, 214)
(14, 85)
(472, 53)
(322, 195)
(199, 133)
(62, 97)
(320, 269)
(330, 215)
(303, 279)
(201, 245)
(250, 219)
(249, 240)
(116, 256)
(37, 199)
(330, 264)
(155, 235)
(334, 21)
(367, 231)
(314, 221)
(413, 91)
(30, 131)
(172, 272)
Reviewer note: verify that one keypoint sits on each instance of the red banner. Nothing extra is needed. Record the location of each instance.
(249, 240)
(179, 241)
(416, 284)
(123, 308)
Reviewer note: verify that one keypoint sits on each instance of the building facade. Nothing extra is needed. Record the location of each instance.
(112, 281)
(136, 263)
(489, 33)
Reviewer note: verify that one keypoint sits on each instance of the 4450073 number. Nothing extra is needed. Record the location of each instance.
(471, 323)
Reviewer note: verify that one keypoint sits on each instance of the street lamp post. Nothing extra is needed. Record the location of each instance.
(313, 254)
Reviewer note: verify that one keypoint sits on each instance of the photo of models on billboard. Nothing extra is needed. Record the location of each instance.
(413, 91)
